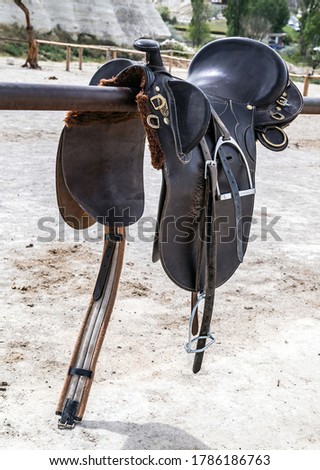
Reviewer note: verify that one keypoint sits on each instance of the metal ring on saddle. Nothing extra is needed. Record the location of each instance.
(162, 102)
(282, 101)
(155, 124)
(277, 116)
(272, 144)
(188, 347)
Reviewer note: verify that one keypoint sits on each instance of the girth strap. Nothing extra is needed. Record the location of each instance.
(79, 379)
(226, 140)
(209, 236)
(236, 199)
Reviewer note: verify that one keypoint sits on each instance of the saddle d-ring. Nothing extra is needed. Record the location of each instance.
(284, 135)
(188, 347)
(153, 121)
(277, 116)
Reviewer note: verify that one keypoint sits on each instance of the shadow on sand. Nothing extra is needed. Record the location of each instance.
(155, 436)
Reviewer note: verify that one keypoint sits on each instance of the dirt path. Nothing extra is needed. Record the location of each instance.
(259, 387)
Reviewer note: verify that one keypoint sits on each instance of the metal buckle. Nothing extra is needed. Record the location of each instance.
(277, 116)
(207, 163)
(188, 347)
(162, 100)
(66, 425)
(282, 101)
(161, 104)
(155, 125)
(244, 192)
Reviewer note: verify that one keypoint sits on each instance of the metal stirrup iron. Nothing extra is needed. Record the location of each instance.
(188, 347)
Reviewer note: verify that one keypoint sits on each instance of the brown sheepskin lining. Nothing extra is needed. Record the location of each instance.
(157, 155)
(85, 118)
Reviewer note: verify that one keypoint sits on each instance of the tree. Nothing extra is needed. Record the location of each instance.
(256, 18)
(32, 59)
(199, 29)
(310, 25)
(235, 12)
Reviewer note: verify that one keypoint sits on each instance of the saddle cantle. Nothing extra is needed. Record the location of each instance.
(202, 134)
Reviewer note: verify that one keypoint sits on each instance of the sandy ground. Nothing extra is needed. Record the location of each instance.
(259, 386)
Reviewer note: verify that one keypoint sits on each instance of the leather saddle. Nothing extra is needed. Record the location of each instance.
(202, 134)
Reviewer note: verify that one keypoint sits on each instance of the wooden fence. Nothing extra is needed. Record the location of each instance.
(112, 52)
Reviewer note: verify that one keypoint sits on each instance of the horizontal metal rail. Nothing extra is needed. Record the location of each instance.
(29, 96)
(311, 105)
(25, 96)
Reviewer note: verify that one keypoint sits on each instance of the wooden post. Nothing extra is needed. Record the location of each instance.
(306, 85)
(37, 47)
(80, 57)
(170, 61)
(68, 57)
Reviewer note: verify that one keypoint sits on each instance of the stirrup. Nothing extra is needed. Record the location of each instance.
(188, 347)
(243, 192)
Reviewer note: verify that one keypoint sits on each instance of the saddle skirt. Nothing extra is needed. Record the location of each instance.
(202, 134)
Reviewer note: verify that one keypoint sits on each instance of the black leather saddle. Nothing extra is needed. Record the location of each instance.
(202, 134)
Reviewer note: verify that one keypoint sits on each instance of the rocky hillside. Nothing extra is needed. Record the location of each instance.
(118, 21)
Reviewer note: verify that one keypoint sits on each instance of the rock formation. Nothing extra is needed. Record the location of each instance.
(118, 21)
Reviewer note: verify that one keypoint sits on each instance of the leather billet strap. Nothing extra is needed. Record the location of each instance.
(208, 231)
(225, 141)
(235, 197)
(79, 379)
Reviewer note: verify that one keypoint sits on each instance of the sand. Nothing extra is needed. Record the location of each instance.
(259, 386)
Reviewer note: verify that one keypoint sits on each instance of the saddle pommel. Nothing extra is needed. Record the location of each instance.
(152, 50)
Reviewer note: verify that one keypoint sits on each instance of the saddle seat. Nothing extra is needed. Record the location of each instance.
(236, 69)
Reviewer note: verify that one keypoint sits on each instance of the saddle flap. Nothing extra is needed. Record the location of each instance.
(190, 114)
(282, 111)
(71, 212)
(99, 175)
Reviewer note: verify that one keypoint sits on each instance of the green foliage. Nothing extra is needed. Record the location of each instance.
(256, 18)
(235, 13)
(310, 27)
(47, 51)
(15, 49)
(166, 14)
(199, 29)
(292, 36)
(311, 30)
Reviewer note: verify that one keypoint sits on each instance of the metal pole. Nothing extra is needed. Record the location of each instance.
(29, 96)
(25, 96)
(311, 105)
